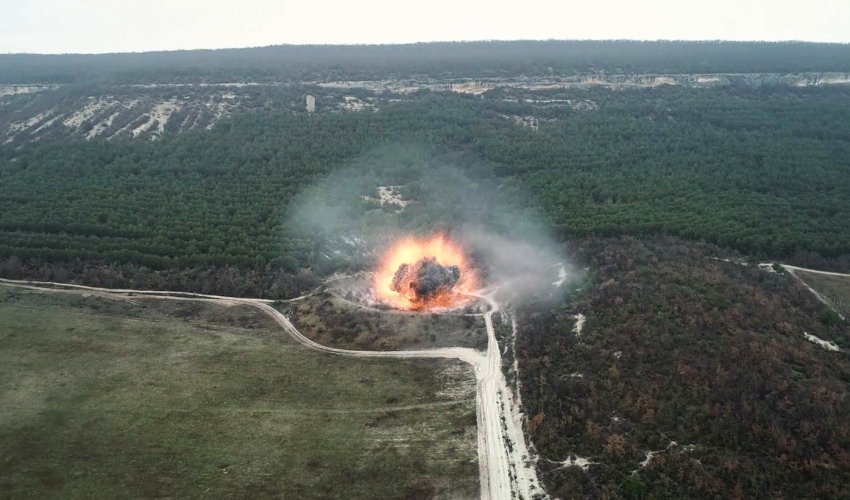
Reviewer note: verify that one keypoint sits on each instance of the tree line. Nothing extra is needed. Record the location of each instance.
(440, 60)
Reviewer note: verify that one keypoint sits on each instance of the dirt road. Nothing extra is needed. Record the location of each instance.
(791, 269)
(505, 469)
(511, 470)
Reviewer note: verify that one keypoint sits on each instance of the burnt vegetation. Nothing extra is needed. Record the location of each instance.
(681, 347)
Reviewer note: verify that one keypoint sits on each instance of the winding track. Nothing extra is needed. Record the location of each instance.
(505, 469)
(795, 268)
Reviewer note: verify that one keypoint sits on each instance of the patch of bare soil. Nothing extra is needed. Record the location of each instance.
(389, 195)
(333, 321)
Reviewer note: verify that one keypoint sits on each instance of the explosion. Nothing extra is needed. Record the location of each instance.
(422, 273)
(425, 279)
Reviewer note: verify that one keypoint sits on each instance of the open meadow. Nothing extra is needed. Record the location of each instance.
(101, 397)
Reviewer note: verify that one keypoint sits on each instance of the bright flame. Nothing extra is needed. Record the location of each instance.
(411, 250)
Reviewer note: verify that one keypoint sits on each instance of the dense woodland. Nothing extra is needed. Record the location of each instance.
(297, 63)
(761, 170)
(681, 347)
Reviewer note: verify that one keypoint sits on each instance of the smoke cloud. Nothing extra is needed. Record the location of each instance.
(355, 214)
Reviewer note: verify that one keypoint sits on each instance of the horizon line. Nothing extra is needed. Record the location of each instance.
(432, 42)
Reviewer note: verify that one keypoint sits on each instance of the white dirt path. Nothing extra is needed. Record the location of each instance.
(826, 344)
(791, 269)
(511, 470)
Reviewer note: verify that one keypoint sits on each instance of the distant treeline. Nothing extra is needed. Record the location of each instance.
(433, 60)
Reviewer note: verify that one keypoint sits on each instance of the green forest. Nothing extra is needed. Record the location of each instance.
(762, 170)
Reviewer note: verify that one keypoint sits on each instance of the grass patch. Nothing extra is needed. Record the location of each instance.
(164, 401)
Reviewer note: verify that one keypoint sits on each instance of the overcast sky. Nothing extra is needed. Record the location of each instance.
(94, 26)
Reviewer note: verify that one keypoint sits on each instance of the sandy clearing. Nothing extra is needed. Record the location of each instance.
(354, 104)
(198, 119)
(583, 105)
(100, 127)
(474, 88)
(834, 80)
(201, 85)
(378, 86)
(562, 276)
(144, 127)
(189, 116)
(16, 127)
(219, 110)
(575, 461)
(649, 456)
(387, 195)
(580, 320)
(8, 90)
(576, 104)
(88, 112)
(826, 344)
(525, 121)
(47, 124)
(767, 266)
(130, 105)
(311, 104)
(482, 85)
(158, 116)
(657, 81)
(617, 81)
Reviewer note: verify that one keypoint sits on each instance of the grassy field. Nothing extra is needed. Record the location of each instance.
(332, 321)
(836, 289)
(105, 398)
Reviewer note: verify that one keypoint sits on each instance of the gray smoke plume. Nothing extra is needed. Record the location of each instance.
(355, 214)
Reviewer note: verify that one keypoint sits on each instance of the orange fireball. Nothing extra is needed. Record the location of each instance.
(411, 250)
